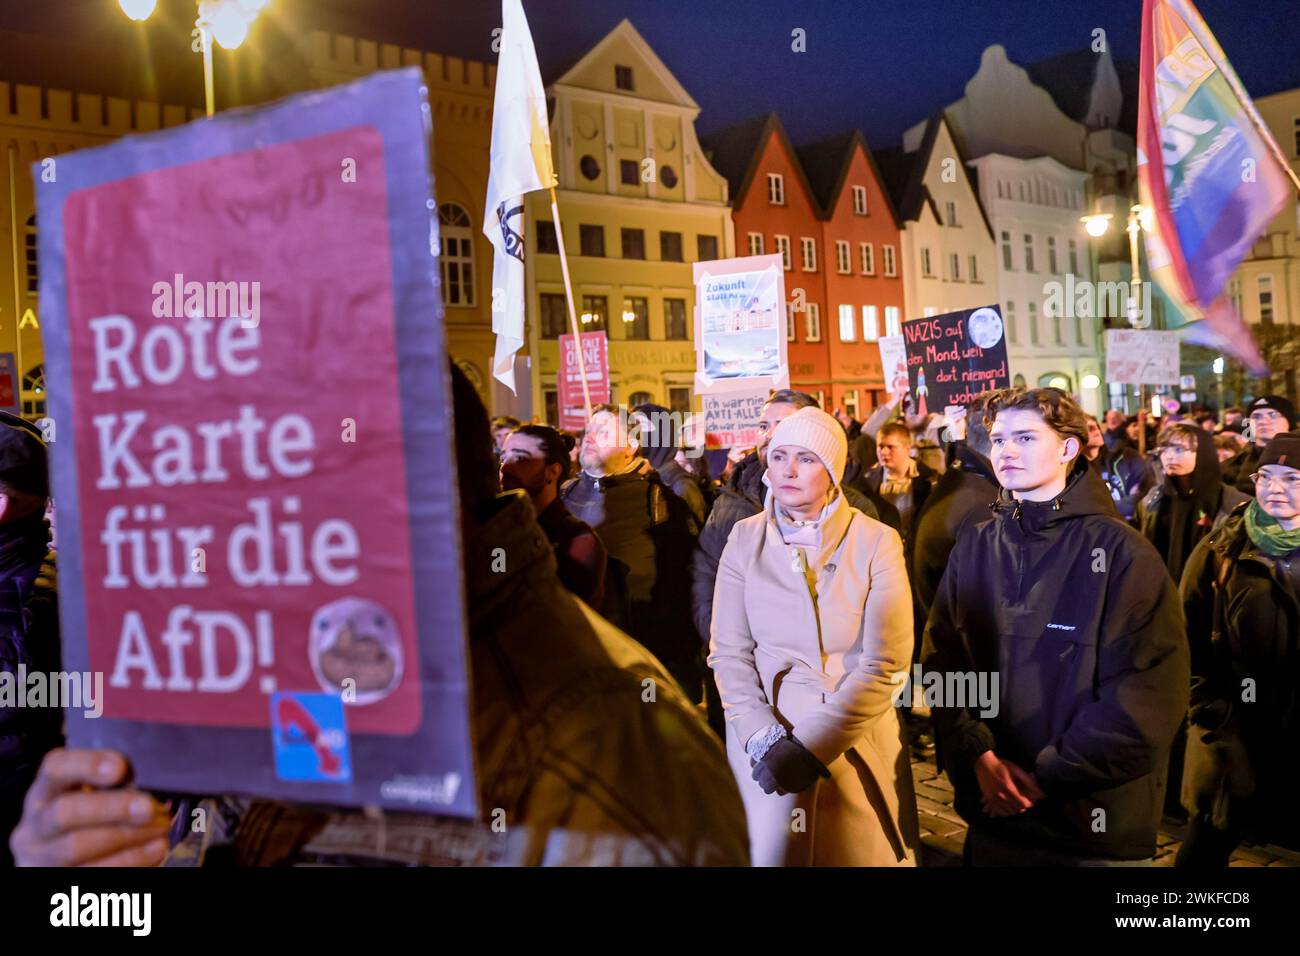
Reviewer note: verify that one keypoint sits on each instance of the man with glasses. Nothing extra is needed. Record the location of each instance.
(1241, 596)
(1266, 416)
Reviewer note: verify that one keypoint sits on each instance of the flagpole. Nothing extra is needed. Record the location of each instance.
(568, 296)
(1211, 46)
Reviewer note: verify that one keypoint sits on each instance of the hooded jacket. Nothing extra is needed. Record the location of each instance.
(1175, 519)
(1243, 623)
(1127, 477)
(959, 499)
(740, 498)
(1076, 615)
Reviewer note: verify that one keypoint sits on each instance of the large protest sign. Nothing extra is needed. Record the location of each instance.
(256, 502)
(953, 357)
(595, 359)
(1142, 357)
(740, 342)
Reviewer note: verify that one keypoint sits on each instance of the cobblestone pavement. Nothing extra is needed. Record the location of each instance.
(943, 833)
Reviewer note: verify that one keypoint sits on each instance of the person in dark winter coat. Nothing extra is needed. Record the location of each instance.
(536, 459)
(1241, 596)
(1125, 473)
(29, 626)
(651, 532)
(1192, 501)
(959, 500)
(1266, 416)
(659, 441)
(862, 446)
(1063, 763)
(899, 484)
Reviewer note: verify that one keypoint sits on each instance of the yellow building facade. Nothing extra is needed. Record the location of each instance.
(639, 203)
(39, 124)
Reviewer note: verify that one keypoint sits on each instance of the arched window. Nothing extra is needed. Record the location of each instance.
(640, 398)
(34, 392)
(457, 233)
(33, 271)
(1055, 380)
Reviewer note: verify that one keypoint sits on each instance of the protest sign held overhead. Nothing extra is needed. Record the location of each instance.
(1142, 357)
(595, 355)
(953, 357)
(256, 498)
(740, 323)
(731, 418)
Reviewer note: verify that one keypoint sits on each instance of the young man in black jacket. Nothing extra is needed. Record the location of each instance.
(1075, 614)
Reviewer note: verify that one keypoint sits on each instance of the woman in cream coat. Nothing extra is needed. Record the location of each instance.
(812, 636)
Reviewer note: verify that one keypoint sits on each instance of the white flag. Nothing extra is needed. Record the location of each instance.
(521, 163)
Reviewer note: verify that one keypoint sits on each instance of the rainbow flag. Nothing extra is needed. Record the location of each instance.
(1207, 168)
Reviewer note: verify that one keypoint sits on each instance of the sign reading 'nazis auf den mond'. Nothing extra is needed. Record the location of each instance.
(256, 505)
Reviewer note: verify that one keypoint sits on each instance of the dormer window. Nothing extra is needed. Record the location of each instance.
(623, 78)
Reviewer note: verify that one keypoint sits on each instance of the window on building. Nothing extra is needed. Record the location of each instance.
(848, 324)
(1056, 329)
(860, 200)
(639, 398)
(1009, 317)
(679, 400)
(1029, 253)
(707, 248)
(1080, 330)
(925, 262)
(636, 318)
(789, 321)
(755, 243)
(954, 267)
(1297, 137)
(1051, 254)
(974, 269)
(1000, 191)
(623, 78)
(675, 319)
(670, 246)
(813, 323)
(776, 189)
(457, 235)
(591, 240)
(808, 253)
(1033, 322)
(843, 257)
(595, 314)
(633, 243)
(1234, 294)
(891, 267)
(783, 248)
(34, 272)
(867, 253)
(1006, 251)
(34, 385)
(547, 240)
(850, 402)
(629, 172)
(893, 320)
(551, 399)
(1022, 192)
(1074, 257)
(950, 210)
(555, 315)
(1265, 284)
(870, 323)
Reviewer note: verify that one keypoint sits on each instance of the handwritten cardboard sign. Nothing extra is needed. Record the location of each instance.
(257, 509)
(1142, 357)
(953, 357)
(731, 418)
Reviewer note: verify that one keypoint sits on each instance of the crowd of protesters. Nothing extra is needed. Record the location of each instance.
(686, 667)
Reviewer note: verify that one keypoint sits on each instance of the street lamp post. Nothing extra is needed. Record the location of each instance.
(226, 21)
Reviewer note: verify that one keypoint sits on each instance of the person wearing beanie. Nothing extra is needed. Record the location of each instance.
(29, 626)
(811, 633)
(1241, 597)
(1075, 615)
(1266, 416)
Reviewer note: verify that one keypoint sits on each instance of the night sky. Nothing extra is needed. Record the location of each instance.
(880, 66)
